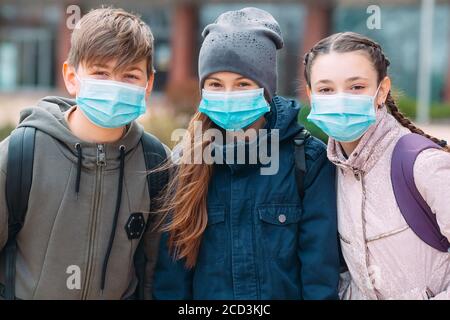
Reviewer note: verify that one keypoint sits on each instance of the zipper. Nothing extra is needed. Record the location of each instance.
(359, 175)
(255, 257)
(101, 163)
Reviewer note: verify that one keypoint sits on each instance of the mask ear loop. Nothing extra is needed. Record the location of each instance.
(375, 97)
(79, 82)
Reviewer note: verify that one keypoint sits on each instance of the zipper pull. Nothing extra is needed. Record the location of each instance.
(101, 155)
(357, 174)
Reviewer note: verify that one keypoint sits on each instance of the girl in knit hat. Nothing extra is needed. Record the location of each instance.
(236, 231)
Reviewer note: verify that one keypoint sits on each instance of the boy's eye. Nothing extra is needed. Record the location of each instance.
(100, 73)
(132, 76)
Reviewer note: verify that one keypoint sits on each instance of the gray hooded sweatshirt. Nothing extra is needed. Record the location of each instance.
(72, 204)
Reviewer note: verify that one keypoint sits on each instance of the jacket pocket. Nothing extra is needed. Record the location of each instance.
(279, 229)
(344, 239)
(387, 234)
(214, 239)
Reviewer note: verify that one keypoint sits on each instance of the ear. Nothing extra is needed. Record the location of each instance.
(308, 92)
(150, 82)
(385, 87)
(70, 80)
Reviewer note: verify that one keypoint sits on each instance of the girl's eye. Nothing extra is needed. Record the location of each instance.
(214, 84)
(357, 87)
(325, 90)
(243, 84)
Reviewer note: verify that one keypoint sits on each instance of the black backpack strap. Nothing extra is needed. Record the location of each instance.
(300, 160)
(18, 184)
(155, 155)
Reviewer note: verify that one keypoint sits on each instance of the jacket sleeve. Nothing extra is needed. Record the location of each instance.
(3, 211)
(318, 244)
(172, 280)
(151, 245)
(431, 172)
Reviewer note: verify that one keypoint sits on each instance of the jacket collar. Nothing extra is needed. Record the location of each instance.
(371, 147)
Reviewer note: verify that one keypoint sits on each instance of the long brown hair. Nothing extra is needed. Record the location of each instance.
(351, 41)
(183, 210)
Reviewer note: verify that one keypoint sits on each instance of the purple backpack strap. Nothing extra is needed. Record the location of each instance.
(413, 207)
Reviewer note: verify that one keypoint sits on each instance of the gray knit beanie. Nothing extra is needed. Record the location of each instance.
(244, 42)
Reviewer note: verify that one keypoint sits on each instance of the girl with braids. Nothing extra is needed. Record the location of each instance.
(234, 232)
(349, 89)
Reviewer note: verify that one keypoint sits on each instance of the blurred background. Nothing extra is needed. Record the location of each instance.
(415, 34)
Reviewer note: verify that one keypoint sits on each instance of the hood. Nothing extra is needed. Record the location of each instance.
(372, 146)
(48, 116)
(283, 116)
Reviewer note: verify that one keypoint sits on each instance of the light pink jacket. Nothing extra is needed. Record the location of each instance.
(386, 260)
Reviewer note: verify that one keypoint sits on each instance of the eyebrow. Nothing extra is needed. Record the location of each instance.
(217, 79)
(134, 69)
(324, 81)
(351, 79)
(213, 78)
(99, 65)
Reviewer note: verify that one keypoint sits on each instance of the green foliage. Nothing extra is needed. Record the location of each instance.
(438, 110)
(5, 131)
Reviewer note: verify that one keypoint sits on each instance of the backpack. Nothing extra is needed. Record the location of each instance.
(18, 185)
(415, 210)
(300, 159)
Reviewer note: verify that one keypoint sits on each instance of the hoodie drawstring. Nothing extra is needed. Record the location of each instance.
(116, 216)
(80, 157)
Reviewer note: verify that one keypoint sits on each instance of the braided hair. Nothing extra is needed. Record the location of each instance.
(351, 41)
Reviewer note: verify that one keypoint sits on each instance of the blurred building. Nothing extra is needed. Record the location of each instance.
(34, 38)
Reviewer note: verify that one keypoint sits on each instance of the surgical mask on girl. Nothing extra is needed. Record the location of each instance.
(344, 117)
(234, 110)
(110, 104)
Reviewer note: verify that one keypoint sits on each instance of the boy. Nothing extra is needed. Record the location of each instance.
(89, 202)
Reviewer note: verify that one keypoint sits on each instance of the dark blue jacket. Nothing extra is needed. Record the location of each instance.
(262, 241)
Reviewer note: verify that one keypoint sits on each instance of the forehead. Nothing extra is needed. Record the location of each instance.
(111, 64)
(338, 67)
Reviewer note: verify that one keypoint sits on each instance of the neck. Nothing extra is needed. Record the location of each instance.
(85, 130)
(349, 147)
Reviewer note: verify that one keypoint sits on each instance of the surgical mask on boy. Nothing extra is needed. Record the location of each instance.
(344, 117)
(234, 110)
(110, 104)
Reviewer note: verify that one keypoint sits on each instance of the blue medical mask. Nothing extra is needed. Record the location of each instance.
(234, 110)
(110, 104)
(344, 117)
